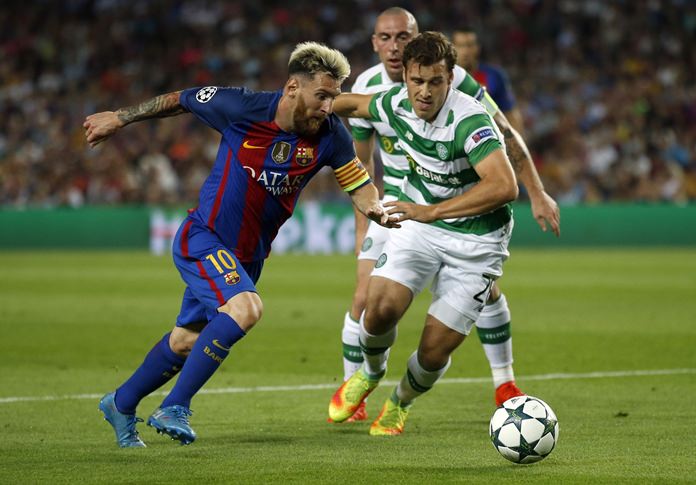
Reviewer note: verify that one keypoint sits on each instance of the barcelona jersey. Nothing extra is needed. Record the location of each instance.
(497, 84)
(260, 169)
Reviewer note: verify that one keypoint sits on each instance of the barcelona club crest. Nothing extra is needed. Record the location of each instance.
(232, 278)
(281, 152)
(304, 156)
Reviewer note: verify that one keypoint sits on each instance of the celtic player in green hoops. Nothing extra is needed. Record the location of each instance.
(394, 28)
(456, 226)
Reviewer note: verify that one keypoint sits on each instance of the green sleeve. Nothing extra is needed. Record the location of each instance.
(374, 112)
(470, 86)
(475, 138)
(360, 133)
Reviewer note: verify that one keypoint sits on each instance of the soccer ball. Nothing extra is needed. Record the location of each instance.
(524, 429)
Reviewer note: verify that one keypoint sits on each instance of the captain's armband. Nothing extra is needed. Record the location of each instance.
(352, 175)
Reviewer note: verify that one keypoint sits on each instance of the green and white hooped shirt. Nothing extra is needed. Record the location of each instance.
(441, 155)
(376, 80)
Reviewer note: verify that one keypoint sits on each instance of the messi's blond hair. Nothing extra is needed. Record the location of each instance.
(310, 58)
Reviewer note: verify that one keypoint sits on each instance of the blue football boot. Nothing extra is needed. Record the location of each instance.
(173, 421)
(123, 424)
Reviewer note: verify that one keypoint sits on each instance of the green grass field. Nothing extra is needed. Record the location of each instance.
(607, 337)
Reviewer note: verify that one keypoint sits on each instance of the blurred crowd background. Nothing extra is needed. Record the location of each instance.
(607, 88)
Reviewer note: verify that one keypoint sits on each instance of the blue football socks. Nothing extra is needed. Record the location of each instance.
(160, 365)
(209, 351)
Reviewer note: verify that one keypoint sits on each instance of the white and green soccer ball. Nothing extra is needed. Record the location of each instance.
(524, 429)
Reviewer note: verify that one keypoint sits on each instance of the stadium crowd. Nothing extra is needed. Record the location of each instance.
(607, 88)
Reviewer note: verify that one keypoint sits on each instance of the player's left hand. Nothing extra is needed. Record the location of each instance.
(405, 211)
(545, 209)
(380, 216)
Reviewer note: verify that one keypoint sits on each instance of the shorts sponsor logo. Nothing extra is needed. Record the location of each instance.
(232, 278)
(381, 261)
(367, 244)
(281, 152)
(205, 94)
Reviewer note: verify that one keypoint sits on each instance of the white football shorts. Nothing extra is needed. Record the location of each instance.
(375, 237)
(462, 268)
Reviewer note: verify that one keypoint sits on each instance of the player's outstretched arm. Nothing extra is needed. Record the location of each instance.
(366, 200)
(353, 105)
(497, 187)
(364, 149)
(100, 126)
(544, 208)
(514, 116)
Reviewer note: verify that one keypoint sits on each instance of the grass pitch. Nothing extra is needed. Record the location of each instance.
(607, 338)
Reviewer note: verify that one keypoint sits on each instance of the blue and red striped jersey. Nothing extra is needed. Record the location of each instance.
(260, 169)
(497, 84)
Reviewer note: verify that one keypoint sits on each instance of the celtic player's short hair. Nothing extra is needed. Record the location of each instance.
(430, 48)
(310, 58)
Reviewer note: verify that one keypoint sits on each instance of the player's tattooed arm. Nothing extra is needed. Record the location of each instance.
(517, 151)
(100, 126)
(544, 208)
(158, 107)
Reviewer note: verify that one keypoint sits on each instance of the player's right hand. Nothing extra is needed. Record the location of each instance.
(100, 126)
(380, 216)
(405, 211)
(545, 209)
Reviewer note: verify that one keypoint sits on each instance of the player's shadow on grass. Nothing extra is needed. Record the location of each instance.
(442, 470)
(262, 438)
(349, 429)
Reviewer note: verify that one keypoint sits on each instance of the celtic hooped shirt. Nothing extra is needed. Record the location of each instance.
(442, 154)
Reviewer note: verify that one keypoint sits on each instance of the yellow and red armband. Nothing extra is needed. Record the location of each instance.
(352, 175)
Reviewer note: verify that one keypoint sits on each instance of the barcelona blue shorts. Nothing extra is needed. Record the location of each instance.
(211, 271)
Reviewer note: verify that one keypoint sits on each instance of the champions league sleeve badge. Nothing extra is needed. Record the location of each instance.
(206, 94)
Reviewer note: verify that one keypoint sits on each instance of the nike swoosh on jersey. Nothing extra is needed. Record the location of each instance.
(246, 144)
(220, 346)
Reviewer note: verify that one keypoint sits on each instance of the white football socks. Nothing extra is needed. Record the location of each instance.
(493, 328)
(352, 356)
(501, 375)
(375, 350)
(417, 380)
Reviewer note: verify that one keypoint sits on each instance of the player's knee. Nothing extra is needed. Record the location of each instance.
(181, 341)
(245, 308)
(432, 358)
(181, 347)
(382, 311)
